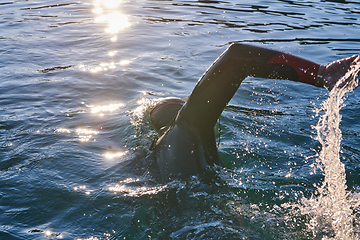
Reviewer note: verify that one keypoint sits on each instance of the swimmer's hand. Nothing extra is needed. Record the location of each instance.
(334, 71)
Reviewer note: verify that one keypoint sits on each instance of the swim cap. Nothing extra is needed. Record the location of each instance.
(165, 112)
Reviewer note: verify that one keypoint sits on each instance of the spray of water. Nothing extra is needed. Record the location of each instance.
(331, 209)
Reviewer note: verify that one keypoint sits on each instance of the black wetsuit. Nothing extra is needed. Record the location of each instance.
(187, 146)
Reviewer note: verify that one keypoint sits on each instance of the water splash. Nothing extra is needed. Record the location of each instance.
(331, 210)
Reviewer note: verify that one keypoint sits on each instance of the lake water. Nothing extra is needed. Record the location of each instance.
(77, 75)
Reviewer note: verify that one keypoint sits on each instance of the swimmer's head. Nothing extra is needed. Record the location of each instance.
(165, 112)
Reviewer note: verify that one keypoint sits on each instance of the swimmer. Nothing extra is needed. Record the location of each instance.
(187, 145)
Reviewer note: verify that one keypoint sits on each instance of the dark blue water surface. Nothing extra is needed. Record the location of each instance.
(76, 75)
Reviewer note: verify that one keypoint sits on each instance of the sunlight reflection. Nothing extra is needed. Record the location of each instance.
(79, 187)
(83, 189)
(106, 108)
(135, 191)
(62, 130)
(85, 134)
(97, 10)
(141, 100)
(112, 53)
(104, 66)
(124, 62)
(116, 21)
(112, 155)
(48, 233)
(51, 234)
(108, 3)
(90, 238)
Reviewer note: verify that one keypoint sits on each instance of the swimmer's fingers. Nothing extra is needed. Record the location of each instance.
(352, 62)
(334, 71)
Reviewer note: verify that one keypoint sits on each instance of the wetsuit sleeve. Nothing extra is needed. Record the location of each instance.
(220, 82)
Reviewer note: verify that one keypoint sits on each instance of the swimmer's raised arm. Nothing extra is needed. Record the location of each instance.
(220, 82)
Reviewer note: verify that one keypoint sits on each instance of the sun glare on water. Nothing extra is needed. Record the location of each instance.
(108, 13)
(105, 108)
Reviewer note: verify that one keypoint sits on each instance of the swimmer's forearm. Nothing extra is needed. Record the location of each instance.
(306, 71)
(325, 76)
(220, 82)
